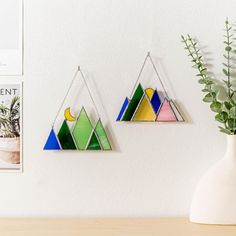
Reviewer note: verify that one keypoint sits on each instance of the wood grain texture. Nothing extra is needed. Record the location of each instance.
(110, 227)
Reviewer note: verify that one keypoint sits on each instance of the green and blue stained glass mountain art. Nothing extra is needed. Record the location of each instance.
(77, 131)
(147, 106)
(83, 136)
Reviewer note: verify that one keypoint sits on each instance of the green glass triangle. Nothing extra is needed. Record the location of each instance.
(82, 130)
(65, 137)
(102, 136)
(138, 94)
(94, 143)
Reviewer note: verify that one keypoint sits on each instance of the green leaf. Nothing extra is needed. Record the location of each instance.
(222, 117)
(202, 81)
(202, 70)
(216, 106)
(209, 97)
(228, 48)
(209, 82)
(232, 123)
(232, 112)
(225, 72)
(228, 105)
(223, 130)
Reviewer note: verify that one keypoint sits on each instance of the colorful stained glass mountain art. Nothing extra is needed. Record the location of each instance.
(149, 103)
(76, 129)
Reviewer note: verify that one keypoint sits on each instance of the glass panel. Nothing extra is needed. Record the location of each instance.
(94, 143)
(156, 101)
(82, 130)
(52, 143)
(68, 115)
(149, 92)
(166, 113)
(124, 106)
(65, 137)
(101, 133)
(144, 111)
(138, 94)
(176, 111)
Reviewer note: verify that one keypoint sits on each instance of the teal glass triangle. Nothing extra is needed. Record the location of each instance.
(82, 130)
(65, 137)
(94, 143)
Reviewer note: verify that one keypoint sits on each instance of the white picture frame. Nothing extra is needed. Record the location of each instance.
(11, 40)
(9, 147)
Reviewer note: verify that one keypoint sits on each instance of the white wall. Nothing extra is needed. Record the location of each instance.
(154, 169)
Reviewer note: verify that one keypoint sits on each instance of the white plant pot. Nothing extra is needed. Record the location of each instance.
(214, 200)
(10, 150)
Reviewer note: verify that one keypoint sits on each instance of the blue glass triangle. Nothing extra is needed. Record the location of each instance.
(156, 101)
(52, 142)
(123, 108)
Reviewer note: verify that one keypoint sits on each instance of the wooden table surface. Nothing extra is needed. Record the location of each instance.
(105, 227)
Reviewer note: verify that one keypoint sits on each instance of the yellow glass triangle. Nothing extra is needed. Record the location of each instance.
(144, 111)
(149, 92)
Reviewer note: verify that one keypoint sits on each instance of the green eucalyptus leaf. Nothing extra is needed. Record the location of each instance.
(231, 123)
(226, 131)
(209, 82)
(216, 106)
(222, 117)
(201, 81)
(225, 72)
(228, 105)
(202, 70)
(232, 112)
(228, 48)
(209, 98)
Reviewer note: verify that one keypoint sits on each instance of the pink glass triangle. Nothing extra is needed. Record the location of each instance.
(166, 113)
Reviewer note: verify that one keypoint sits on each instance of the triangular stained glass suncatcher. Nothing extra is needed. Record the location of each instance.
(146, 104)
(77, 132)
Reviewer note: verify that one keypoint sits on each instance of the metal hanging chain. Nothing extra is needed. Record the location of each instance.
(157, 74)
(71, 84)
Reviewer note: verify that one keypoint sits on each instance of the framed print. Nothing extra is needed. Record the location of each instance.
(10, 127)
(11, 40)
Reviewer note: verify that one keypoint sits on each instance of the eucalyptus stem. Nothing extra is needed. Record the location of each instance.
(225, 108)
(228, 49)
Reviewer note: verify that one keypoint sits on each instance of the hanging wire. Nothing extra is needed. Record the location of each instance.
(90, 94)
(156, 72)
(70, 86)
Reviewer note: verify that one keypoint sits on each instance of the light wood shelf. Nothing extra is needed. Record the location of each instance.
(110, 227)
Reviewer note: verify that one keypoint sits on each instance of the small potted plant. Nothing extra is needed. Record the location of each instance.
(214, 198)
(10, 131)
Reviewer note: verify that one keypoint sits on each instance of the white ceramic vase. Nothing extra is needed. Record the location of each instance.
(10, 150)
(214, 200)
